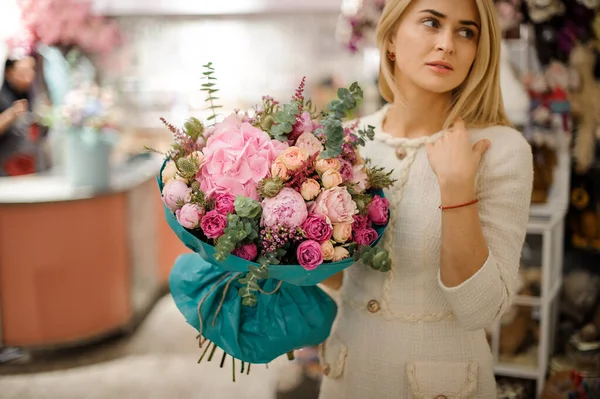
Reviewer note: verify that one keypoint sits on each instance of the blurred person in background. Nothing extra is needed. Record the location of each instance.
(21, 139)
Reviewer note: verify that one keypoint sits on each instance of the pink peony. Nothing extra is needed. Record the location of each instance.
(224, 203)
(248, 252)
(378, 210)
(336, 204)
(175, 194)
(189, 216)
(286, 208)
(360, 178)
(309, 143)
(309, 254)
(237, 156)
(317, 228)
(360, 222)
(213, 224)
(366, 236)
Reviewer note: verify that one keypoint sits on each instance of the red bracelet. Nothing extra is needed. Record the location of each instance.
(443, 208)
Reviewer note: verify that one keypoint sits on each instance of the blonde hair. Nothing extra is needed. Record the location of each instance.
(478, 100)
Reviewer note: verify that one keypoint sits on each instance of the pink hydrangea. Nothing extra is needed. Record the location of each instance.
(237, 157)
(285, 209)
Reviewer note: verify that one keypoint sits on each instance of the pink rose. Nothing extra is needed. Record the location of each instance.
(248, 252)
(237, 157)
(323, 165)
(309, 143)
(360, 178)
(286, 208)
(360, 222)
(327, 250)
(342, 232)
(366, 236)
(293, 158)
(317, 228)
(340, 253)
(309, 254)
(378, 210)
(189, 216)
(224, 203)
(175, 194)
(336, 204)
(213, 224)
(310, 189)
(331, 178)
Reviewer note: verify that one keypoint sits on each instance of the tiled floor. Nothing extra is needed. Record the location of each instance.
(157, 362)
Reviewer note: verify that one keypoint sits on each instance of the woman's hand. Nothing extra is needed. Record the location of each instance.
(455, 161)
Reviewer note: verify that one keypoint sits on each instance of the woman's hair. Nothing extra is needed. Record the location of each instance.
(478, 100)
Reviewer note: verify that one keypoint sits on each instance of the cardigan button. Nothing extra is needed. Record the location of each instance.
(400, 153)
(326, 370)
(373, 306)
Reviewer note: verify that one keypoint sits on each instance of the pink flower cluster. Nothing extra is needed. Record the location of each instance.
(308, 203)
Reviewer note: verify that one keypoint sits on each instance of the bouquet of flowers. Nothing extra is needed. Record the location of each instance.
(357, 25)
(274, 201)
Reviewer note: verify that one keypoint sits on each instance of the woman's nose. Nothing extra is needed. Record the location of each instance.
(445, 42)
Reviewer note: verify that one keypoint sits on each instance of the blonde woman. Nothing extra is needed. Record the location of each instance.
(459, 212)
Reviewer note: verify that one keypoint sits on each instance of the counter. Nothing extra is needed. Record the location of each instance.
(77, 265)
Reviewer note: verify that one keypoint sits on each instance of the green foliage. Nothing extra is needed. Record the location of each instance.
(376, 258)
(284, 120)
(210, 89)
(194, 128)
(346, 102)
(269, 187)
(251, 279)
(379, 178)
(247, 207)
(238, 231)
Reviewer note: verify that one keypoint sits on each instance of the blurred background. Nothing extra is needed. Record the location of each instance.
(85, 252)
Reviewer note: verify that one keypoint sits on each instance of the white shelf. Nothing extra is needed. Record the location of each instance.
(508, 370)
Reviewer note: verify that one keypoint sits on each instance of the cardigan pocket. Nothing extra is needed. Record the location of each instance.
(447, 380)
(332, 356)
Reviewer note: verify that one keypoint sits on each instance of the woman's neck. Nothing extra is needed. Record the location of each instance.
(416, 113)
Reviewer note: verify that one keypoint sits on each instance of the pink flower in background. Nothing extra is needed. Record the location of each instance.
(213, 224)
(248, 252)
(287, 208)
(237, 157)
(189, 216)
(309, 143)
(336, 204)
(224, 203)
(360, 178)
(360, 222)
(309, 254)
(304, 124)
(176, 193)
(366, 236)
(378, 210)
(346, 170)
(317, 228)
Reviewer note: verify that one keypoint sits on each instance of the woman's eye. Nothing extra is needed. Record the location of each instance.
(467, 33)
(432, 23)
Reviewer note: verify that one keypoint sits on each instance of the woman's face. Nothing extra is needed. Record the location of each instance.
(435, 44)
(21, 75)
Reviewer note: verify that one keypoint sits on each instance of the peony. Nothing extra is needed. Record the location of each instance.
(323, 165)
(248, 252)
(175, 194)
(327, 250)
(342, 232)
(378, 210)
(309, 254)
(237, 157)
(360, 178)
(169, 172)
(331, 178)
(224, 203)
(286, 208)
(317, 228)
(366, 236)
(309, 143)
(189, 216)
(360, 222)
(213, 224)
(310, 189)
(293, 158)
(336, 204)
(278, 169)
(340, 253)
